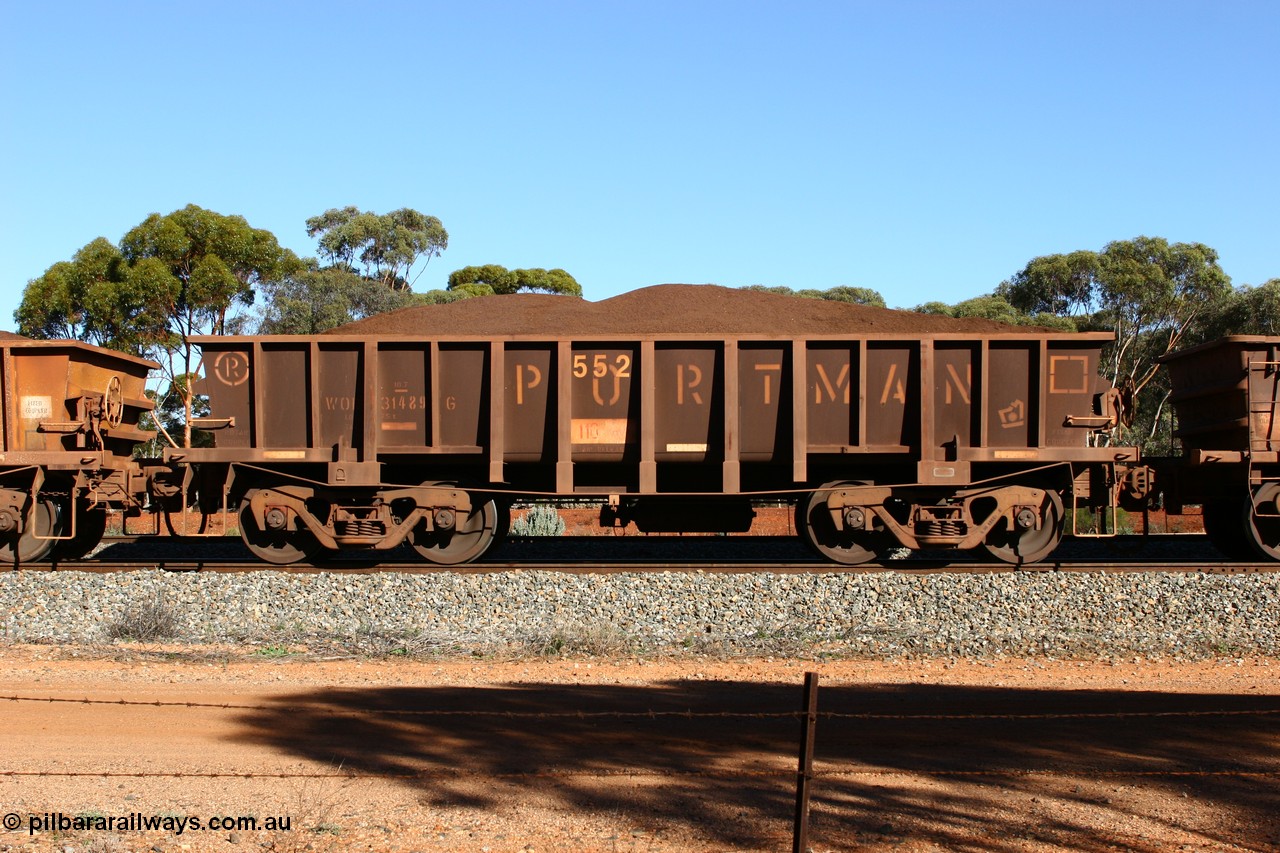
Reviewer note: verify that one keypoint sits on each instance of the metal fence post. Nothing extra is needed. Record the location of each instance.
(804, 775)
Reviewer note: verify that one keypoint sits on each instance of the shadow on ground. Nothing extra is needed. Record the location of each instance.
(977, 783)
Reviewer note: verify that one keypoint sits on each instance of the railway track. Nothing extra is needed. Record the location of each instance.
(605, 554)
(914, 566)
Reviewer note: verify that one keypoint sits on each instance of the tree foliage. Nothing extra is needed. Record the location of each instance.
(538, 280)
(1245, 311)
(1059, 285)
(205, 266)
(96, 297)
(841, 293)
(997, 308)
(318, 299)
(386, 245)
(496, 279)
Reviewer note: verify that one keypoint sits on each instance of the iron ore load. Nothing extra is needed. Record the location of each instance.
(677, 407)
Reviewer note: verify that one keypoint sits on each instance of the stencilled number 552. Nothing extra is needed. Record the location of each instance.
(600, 367)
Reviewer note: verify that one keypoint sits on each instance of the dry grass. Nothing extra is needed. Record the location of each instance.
(601, 639)
(144, 621)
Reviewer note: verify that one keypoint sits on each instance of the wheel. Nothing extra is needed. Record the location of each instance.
(281, 547)
(44, 518)
(1263, 522)
(467, 540)
(113, 403)
(1020, 547)
(1224, 523)
(90, 525)
(819, 531)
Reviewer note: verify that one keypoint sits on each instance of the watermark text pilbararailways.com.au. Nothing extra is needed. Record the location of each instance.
(138, 822)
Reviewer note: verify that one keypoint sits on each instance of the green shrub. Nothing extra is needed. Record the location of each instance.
(540, 520)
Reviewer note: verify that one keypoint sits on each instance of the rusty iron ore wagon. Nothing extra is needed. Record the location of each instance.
(929, 440)
(69, 425)
(1227, 395)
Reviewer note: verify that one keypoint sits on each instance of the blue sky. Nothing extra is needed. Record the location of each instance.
(927, 150)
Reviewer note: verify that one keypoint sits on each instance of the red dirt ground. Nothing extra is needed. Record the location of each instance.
(624, 755)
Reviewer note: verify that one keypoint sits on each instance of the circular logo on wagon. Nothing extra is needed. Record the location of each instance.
(231, 368)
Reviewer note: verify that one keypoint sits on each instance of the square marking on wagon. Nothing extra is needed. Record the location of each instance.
(36, 408)
(599, 430)
(1068, 374)
(686, 448)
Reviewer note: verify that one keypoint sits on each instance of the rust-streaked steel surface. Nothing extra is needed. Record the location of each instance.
(1226, 394)
(652, 414)
(43, 382)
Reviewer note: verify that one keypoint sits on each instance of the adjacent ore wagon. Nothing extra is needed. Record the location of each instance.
(69, 425)
(1227, 396)
(678, 413)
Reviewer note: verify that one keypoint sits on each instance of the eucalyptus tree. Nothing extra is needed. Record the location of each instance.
(95, 298)
(839, 293)
(1246, 311)
(387, 245)
(497, 279)
(318, 299)
(997, 308)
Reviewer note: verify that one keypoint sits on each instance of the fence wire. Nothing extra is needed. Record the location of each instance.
(598, 773)
(441, 774)
(648, 714)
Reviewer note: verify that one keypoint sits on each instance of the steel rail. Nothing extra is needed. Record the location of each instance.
(700, 553)
(597, 566)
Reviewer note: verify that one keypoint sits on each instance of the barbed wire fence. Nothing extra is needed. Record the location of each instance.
(805, 775)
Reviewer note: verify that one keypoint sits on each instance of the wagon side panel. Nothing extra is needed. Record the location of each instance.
(530, 401)
(956, 384)
(764, 402)
(230, 381)
(1011, 405)
(402, 410)
(605, 419)
(37, 392)
(1225, 395)
(893, 396)
(284, 386)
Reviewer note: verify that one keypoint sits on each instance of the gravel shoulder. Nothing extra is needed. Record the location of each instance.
(681, 754)
(874, 616)
(543, 710)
